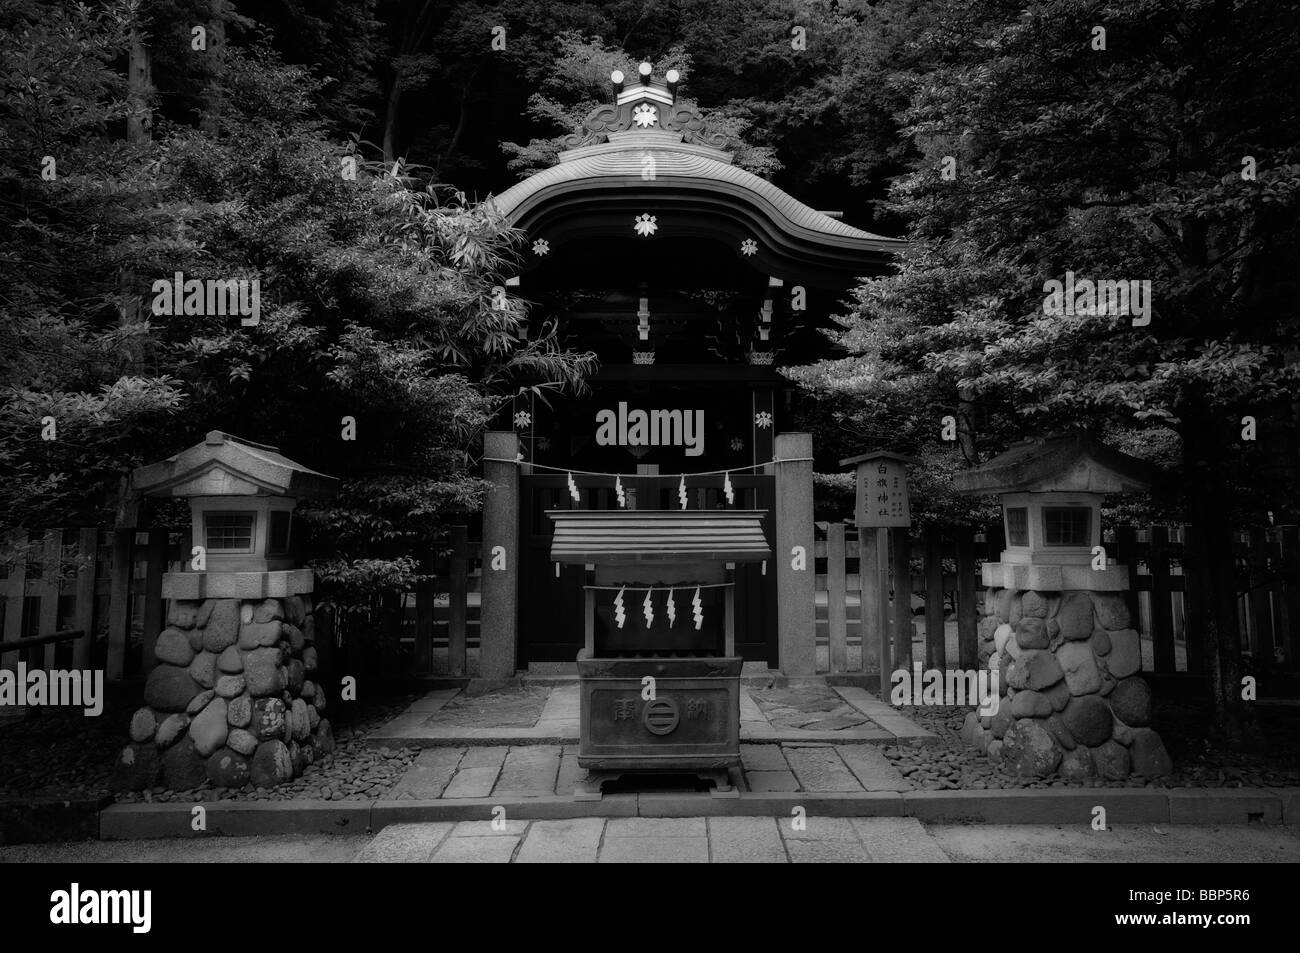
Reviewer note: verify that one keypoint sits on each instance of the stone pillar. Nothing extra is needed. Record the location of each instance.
(795, 568)
(233, 698)
(500, 596)
(1074, 702)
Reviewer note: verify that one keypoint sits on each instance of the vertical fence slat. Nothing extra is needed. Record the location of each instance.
(1261, 622)
(1194, 607)
(936, 650)
(51, 563)
(967, 613)
(902, 598)
(1290, 601)
(1127, 555)
(15, 588)
(119, 602)
(425, 593)
(156, 554)
(1162, 619)
(84, 616)
(457, 602)
(836, 599)
(873, 545)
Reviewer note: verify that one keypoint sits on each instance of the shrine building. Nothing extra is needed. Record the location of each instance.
(694, 282)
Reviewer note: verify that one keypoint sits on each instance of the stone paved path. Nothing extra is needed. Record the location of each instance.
(716, 839)
(548, 715)
(643, 840)
(543, 770)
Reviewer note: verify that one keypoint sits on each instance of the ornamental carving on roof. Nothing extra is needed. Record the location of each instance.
(633, 112)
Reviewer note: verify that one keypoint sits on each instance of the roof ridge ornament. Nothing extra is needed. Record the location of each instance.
(643, 106)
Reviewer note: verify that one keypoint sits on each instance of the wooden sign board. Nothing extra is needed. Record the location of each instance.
(881, 490)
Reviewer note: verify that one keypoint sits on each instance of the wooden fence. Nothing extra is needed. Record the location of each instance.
(102, 591)
(941, 603)
(104, 585)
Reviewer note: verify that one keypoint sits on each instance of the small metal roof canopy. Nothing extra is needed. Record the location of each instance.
(224, 465)
(1073, 463)
(622, 537)
(649, 153)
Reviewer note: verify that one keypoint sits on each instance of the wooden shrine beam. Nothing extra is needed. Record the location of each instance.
(739, 373)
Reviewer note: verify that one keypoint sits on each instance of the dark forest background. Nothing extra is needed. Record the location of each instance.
(1009, 142)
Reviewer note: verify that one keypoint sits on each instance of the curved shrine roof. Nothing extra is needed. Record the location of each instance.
(648, 147)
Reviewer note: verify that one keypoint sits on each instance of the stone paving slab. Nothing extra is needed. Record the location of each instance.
(827, 852)
(486, 757)
(472, 783)
(429, 775)
(535, 771)
(403, 844)
(745, 840)
(476, 850)
(762, 758)
(894, 840)
(821, 769)
(815, 827)
(513, 717)
(575, 841)
(529, 772)
(570, 774)
(654, 850)
(772, 780)
(872, 769)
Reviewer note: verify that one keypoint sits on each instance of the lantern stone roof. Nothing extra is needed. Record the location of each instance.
(649, 154)
(224, 465)
(612, 537)
(1073, 463)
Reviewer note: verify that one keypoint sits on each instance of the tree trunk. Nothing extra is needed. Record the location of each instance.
(1213, 572)
(390, 118)
(215, 91)
(966, 425)
(139, 124)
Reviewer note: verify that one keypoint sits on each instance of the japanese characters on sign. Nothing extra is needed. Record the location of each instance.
(882, 493)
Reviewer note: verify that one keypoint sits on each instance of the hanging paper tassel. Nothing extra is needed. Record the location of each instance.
(648, 608)
(573, 490)
(728, 489)
(681, 491)
(622, 496)
(619, 615)
(672, 609)
(697, 608)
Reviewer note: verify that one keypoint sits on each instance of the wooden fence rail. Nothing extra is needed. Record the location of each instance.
(108, 586)
(939, 607)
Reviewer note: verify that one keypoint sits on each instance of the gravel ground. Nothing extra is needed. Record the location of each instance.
(1199, 762)
(61, 754)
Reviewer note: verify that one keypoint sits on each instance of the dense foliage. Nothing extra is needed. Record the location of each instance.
(1166, 154)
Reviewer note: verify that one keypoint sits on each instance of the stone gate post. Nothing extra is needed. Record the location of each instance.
(500, 593)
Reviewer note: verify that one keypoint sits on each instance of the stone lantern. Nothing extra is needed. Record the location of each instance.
(1056, 623)
(231, 698)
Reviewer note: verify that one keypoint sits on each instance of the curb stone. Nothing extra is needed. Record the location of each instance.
(1123, 806)
(234, 819)
(1184, 806)
(45, 820)
(1233, 806)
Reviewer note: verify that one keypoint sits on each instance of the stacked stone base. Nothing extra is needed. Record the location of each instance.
(1072, 700)
(231, 701)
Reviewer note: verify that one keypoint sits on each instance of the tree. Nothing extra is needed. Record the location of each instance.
(1164, 153)
(380, 301)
